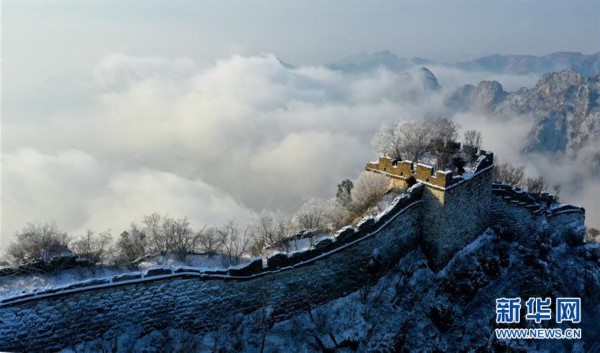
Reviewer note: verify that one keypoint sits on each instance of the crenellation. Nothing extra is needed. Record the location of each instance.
(400, 171)
(424, 172)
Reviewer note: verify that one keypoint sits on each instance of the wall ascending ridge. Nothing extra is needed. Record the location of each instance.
(515, 212)
(439, 220)
(454, 217)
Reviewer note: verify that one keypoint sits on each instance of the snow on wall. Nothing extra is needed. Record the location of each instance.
(400, 171)
(455, 216)
(200, 302)
(440, 221)
(566, 225)
(516, 214)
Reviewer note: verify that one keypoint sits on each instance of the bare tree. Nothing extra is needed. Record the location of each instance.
(320, 318)
(180, 237)
(444, 133)
(408, 139)
(266, 321)
(557, 189)
(509, 173)
(536, 185)
(132, 245)
(95, 248)
(473, 138)
(311, 215)
(235, 241)
(38, 242)
(169, 234)
(369, 189)
(209, 241)
(388, 142)
(153, 228)
(416, 138)
(269, 229)
(515, 175)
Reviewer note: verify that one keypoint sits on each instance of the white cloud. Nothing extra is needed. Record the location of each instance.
(120, 69)
(245, 131)
(79, 192)
(209, 142)
(505, 135)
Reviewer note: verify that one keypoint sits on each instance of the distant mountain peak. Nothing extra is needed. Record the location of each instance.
(285, 64)
(588, 65)
(365, 62)
(560, 81)
(564, 108)
(385, 53)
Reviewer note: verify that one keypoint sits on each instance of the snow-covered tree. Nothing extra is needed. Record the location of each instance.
(268, 229)
(235, 240)
(408, 139)
(208, 241)
(369, 189)
(509, 173)
(473, 138)
(444, 133)
(37, 242)
(311, 215)
(344, 192)
(94, 247)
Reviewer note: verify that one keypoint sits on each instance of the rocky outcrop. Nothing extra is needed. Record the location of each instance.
(564, 106)
(482, 99)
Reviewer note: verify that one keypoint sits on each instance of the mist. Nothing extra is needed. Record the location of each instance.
(225, 140)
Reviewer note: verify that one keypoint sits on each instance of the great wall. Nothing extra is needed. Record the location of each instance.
(440, 215)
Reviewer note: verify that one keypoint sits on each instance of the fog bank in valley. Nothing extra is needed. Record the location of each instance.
(228, 139)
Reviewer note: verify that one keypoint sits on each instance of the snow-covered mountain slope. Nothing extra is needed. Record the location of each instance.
(564, 106)
(413, 309)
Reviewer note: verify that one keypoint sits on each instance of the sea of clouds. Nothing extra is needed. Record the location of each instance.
(223, 141)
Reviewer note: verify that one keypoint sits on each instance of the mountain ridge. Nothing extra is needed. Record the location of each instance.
(565, 107)
(585, 64)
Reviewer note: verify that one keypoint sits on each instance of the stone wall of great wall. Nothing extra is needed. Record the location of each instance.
(456, 214)
(438, 218)
(198, 301)
(516, 212)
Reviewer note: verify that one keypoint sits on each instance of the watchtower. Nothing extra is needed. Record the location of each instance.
(455, 209)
